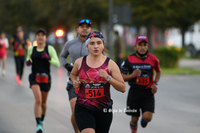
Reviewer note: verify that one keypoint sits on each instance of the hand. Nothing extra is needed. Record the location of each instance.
(28, 63)
(136, 73)
(103, 74)
(76, 84)
(154, 88)
(45, 56)
(68, 67)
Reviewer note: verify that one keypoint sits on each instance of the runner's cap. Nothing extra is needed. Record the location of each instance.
(85, 21)
(141, 38)
(41, 30)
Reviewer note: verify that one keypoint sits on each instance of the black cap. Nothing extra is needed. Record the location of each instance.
(41, 30)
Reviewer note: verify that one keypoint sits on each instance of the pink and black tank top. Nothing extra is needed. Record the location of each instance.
(94, 92)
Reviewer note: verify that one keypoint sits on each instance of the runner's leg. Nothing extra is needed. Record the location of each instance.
(146, 117)
(37, 107)
(22, 60)
(17, 64)
(73, 121)
(133, 124)
(38, 101)
(4, 63)
(4, 66)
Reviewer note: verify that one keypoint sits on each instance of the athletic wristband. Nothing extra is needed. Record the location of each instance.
(155, 82)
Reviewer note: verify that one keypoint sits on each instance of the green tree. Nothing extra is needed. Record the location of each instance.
(183, 14)
(164, 14)
(71, 12)
(148, 13)
(50, 14)
(13, 13)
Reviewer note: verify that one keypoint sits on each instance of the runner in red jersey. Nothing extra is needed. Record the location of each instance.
(138, 70)
(93, 76)
(3, 52)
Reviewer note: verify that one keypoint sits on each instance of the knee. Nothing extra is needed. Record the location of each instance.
(38, 101)
(147, 118)
(44, 105)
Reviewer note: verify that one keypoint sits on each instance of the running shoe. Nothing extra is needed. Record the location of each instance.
(42, 124)
(39, 129)
(143, 123)
(3, 73)
(18, 80)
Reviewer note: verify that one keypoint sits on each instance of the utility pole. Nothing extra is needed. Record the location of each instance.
(57, 47)
(110, 26)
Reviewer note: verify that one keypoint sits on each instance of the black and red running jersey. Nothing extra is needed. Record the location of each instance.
(146, 65)
(19, 45)
(94, 92)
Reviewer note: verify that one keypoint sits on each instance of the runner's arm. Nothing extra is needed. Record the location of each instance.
(12, 43)
(127, 77)
(64, 54)
(157, 76)
(116, 81)
(30, 50)
(28, 43)
(125, 70)
(7, 44)
(157, 69)
(74, 73)
(54, 58)
(154, 85)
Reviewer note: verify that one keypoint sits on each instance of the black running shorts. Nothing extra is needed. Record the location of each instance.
(140, 99)
(97, 120)
(43, 86)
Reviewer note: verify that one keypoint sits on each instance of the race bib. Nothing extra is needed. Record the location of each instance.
(42, 78)
(94, 90)
(142, 81)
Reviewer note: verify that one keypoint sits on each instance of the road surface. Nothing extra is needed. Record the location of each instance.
(177, 105)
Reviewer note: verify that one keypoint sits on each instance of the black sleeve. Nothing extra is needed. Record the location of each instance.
(125, 67)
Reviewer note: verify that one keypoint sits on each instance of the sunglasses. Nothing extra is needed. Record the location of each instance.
(87, 21)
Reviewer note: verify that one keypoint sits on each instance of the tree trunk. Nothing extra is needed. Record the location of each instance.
(183, 37)
(99, 25)
(149, 34)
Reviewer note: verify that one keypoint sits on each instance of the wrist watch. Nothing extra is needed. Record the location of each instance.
(155, 82)
(109, 78)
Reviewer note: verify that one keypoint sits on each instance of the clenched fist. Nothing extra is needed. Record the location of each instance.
(103, 74)
(136, 73)
(77, 84)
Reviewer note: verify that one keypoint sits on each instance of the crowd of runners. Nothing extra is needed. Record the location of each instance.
(90, 74)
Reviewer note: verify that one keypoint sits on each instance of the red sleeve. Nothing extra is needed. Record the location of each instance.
(157, 65)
